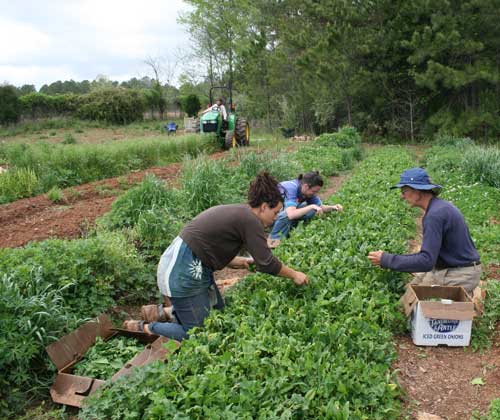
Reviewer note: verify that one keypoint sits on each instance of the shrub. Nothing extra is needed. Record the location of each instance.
(117, 106)
(37, 105)
(10, 107)
(69, 139)
(346, 137)
(55, 195)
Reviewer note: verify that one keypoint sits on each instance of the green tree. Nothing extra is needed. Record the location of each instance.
(191, 105)
(10, 107)
(25, 89)
(456, 54)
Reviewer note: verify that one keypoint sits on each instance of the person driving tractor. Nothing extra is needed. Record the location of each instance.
(218, 106)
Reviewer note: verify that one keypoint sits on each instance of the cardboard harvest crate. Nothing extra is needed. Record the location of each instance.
(447, 320)
(65, 353)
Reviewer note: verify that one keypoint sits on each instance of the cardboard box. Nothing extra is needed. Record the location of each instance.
(445, 320)
(65, 353)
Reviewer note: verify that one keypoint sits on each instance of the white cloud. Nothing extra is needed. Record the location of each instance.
(20, 41)
(21, 75)
(80, 39)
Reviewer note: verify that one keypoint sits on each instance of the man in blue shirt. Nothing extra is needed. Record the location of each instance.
(448, 256)
(301, 202)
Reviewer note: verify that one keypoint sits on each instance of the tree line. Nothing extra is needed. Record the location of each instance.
(389, 67)
(392, 68)
(100, 100)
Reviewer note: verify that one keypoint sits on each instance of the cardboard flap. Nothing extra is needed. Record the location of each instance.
(460, 311)
(409, 300)
(74, 345)
(72, 389)
(455, 293)
(152, 352)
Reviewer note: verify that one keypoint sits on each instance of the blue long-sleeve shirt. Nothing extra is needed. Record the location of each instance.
(446, 242)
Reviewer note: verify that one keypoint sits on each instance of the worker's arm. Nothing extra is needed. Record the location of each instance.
(298, 278)
(296, 213)
(336, 207)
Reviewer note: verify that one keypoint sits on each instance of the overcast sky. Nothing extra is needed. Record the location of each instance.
(42, 41)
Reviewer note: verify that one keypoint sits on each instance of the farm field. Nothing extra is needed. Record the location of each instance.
(337, 349)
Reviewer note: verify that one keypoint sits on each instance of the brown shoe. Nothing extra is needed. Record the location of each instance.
(152, 313)
(133, 325)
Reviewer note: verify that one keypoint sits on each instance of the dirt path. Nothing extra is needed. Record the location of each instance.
(437, 380)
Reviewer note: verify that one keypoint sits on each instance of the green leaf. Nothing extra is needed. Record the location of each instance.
(477, 381)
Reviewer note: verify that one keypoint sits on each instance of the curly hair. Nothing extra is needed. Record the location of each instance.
(264, 189)
(312, 179)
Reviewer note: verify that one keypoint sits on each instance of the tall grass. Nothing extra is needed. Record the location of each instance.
(64, 166)
(17, 183)
(149, 194)
(48, 124)
(482, 164)
(207, 182)
(281, 166)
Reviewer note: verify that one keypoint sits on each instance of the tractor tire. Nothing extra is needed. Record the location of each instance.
(196, 125)
(230, 140)
(242, 132)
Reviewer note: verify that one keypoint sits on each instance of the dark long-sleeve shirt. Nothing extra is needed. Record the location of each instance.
(446, 242)
(216, 236)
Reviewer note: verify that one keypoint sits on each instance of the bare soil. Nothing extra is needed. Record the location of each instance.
(437, 380)
(38, 218)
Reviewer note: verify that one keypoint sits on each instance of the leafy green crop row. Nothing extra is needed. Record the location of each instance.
(278, 351)
(80, 278)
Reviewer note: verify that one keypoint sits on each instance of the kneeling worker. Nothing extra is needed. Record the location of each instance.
(210, 242)
(448, 256)
(301, 203)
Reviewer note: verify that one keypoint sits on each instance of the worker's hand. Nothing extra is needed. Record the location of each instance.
(241, 262)
(375, 257)
(300, 279)
(338, 207)
(318, 209)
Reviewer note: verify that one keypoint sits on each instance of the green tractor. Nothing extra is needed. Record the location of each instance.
(234, 131)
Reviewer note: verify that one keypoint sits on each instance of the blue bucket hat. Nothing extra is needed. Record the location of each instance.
(418, 179)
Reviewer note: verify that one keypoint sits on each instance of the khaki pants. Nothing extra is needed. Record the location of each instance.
(467, 277)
